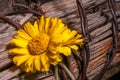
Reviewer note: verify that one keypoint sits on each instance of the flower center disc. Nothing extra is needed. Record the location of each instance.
(38, 45)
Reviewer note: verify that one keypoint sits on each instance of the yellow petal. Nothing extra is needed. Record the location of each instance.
(44, 59)
(30, 29)
(30, 63)
(57, 38)
(61, 38)
(73, 33)
(75, 40)
(23, 34)
(20, 42)
(67, 31)
(65, 36)
(61, 27)
(79, 36)
(20, 59)
(46, 68)
(55, 23)
(52, 47)
(20, 38)
(18, 51)
(65, 50)
(42, 24)
(54, 60)
(79, 41)
(38, 63)
(27, 69)
(53, 56)
(74, 47)
(36, 27)
(48, 24)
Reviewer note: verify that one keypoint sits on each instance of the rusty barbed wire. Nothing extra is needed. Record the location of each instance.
(17, 25)
(84, 60)
(113, 49)
(28, 9)
(87, 38)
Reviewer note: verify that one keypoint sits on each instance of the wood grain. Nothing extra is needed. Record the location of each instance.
(99, 27)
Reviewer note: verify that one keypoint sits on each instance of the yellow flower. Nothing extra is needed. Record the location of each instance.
(38, 46)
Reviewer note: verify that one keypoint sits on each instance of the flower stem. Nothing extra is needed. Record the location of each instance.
(56, 73)
(67, 71)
